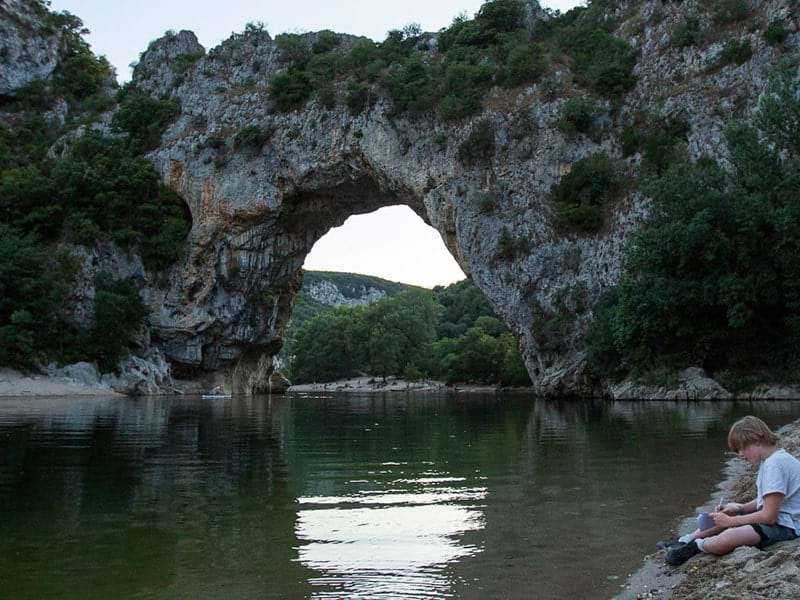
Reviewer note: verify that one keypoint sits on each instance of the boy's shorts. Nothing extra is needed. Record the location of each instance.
(772, 534)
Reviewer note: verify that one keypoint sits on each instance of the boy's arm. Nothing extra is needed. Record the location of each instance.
(748, 507)
(767, 515)
(735, 508)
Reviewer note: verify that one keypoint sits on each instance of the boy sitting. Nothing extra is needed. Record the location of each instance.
(773, 516)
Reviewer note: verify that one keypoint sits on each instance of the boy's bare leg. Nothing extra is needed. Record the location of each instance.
(730, 539)
(716, 530)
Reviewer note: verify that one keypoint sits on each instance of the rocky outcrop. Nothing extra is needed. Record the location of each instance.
(257, 211)
(372, 385)
(692, 384)
(695, 384)
(29, 48)
(259, 206)
(327, 293)
(163, 63)
(146, 375)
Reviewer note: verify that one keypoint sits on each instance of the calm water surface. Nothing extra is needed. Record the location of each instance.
(347, 496)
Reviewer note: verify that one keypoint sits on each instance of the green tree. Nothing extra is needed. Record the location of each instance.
(398, 336)
(118, 315)
(512, 368)
(713, 278)
(582, 194)
(34, 289)
(463, 305)
(578, 115)
(478, 358)
(399, 327)
(143, 118)
(290, 90)
(330, 346)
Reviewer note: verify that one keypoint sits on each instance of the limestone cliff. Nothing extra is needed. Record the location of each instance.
(258, 207)
(258, 211)
(348, 289)
(29, 50)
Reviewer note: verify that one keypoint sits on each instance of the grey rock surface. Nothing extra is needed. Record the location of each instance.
(326, 292)
(29, 50)
(693, 384)
(147, 375)
(83, 373)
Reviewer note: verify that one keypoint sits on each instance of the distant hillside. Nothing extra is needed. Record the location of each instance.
(325, 290)
(348, 289)
(448, 333)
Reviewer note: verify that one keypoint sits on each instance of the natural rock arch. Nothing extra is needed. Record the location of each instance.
(259, 203)
(258, 208)
(232, 299)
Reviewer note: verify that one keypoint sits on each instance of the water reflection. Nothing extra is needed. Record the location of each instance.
(379, 543)
(347, 496)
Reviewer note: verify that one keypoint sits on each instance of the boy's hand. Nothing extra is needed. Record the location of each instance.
(731, 508)
(721, 519)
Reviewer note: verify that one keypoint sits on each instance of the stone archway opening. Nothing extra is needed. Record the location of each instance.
(246, 269)
(391, 243)
(368, 258)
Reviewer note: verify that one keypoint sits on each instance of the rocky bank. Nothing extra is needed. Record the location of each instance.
(772, 574)
(257, 210)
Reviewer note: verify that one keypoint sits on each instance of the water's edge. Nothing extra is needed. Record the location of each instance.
(656, 579)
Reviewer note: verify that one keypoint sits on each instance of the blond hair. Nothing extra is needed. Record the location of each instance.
(749, 431)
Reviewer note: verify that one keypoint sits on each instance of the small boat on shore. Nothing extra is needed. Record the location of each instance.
(216, 394)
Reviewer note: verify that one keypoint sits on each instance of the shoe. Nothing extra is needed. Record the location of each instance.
(680, 554)
(667, 544)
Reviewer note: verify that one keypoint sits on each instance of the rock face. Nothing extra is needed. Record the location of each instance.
(258, 208)
(348, 289)
(693, 384)
(327, 293)
(29, 49)
(146, 375)
(257, 211)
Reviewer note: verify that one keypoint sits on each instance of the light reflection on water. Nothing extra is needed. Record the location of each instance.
(389, 543)
(347, 496)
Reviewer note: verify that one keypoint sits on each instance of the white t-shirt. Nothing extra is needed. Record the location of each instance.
(780, 472)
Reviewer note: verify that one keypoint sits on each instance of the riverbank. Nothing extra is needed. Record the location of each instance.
(371, 384)
(136, 376)
(694, 383)
(772, 574)
(16, 384)
(395, 384)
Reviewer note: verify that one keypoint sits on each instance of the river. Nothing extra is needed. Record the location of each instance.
(348, 496)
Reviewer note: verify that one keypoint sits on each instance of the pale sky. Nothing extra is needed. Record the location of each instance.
(393, 242)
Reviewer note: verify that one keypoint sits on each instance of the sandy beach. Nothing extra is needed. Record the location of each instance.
(16, 384)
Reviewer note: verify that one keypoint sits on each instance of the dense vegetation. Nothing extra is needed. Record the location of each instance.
(495, 48)
(582, 195)
(83, 191)
(713, 280)
(34, 296)
(450, 333)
